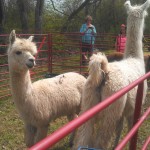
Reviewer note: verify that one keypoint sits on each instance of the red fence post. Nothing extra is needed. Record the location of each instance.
(133, 130)
(50, 53)
(147, 142)
(137, 112)
(80, 53)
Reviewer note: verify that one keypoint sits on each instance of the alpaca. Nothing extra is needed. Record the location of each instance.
(116, 56)
(40, 102)
(107, 78)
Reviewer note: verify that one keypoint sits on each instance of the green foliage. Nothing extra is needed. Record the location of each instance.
(107, 15)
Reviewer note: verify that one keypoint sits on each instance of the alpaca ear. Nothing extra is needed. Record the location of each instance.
(128, 5)
(12, 37)
(145, 5)
(31, 38)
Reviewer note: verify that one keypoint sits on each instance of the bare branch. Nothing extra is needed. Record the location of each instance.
(57, 9)
(73, 14)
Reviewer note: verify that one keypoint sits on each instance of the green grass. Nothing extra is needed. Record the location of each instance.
(11, 128)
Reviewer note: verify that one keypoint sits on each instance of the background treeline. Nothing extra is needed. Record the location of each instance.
(39, 16)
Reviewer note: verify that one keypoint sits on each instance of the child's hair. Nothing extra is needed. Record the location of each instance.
(123, 25)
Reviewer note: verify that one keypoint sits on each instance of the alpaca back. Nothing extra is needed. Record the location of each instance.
(54, 97)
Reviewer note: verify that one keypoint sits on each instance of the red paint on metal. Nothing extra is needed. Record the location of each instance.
(133, 131)
(38, 50)
(147, 142)
(137, 113)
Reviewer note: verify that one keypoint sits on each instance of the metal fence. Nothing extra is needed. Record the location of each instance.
(57, 53)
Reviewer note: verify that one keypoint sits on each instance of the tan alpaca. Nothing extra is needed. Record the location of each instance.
(117, 75)
(40, 102)
(117, 56)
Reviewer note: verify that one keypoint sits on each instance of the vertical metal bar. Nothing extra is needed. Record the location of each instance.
(41, 44)
(49, 53)
(137, 112)
(80, 53)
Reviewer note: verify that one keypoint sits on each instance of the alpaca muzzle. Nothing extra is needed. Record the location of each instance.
(30, 63)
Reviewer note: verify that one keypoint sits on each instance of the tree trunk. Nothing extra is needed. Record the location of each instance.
(86, 10)
(23, 5)
(38, 16)
(2, 16)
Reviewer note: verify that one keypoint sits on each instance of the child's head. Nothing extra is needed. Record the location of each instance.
(122, 29)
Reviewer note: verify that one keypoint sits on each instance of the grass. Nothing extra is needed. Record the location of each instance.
(11, 128)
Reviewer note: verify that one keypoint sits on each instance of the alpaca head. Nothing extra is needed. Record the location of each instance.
(137, 11)
(21, 53)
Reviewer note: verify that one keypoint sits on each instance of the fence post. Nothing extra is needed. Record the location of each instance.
(137, 112)
(80, 53)
(49, 53)
(147, 142)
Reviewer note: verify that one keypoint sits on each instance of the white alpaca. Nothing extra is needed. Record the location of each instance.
(107, 78)
(42, 101)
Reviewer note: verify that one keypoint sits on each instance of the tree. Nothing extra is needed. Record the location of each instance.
(38, 15)
(73, 14)
(2, 15)
(22, 7)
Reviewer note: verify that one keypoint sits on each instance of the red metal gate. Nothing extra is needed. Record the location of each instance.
(57, 53)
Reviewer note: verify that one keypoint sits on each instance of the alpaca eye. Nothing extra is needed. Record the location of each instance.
(18, 52)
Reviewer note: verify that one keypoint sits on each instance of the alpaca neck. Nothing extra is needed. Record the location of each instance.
(21, 85)
(134, 46)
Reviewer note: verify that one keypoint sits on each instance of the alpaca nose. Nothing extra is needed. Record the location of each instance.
(30, 63)
(31, 60)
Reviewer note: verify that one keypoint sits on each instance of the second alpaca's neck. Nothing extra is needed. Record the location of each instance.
(134, 45)
(21, 86)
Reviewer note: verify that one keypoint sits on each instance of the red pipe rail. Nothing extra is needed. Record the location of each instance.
(133, 132)
(52, 139)
(147, 142)
(137, 113)
(38, 50)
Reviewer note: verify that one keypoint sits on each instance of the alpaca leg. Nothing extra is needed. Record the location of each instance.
(130, 122)
(71, 117)
(104, 135)
(84, 135)
(119, 128)
(30, 132)
(41, 133)
(108, 120)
